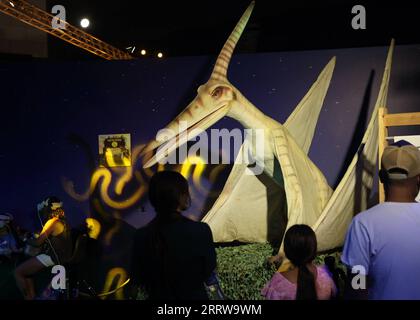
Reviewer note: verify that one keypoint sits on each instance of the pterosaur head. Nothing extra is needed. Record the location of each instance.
(213, 101)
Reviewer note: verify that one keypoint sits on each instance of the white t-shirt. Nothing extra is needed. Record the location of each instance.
(385, 240)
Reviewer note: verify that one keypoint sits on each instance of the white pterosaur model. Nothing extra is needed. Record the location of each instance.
(291, 189)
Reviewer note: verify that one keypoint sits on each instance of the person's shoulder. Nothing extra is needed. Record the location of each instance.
(323, 271)
(383, 213)
(204, 226)
(200, 230)
(325, 279)
(198, 225)
(324, 275)
(55, 223)
(373, 213)
(52, 220)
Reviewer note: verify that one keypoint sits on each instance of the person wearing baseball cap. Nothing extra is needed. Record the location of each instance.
(382, 244)
(400, 172)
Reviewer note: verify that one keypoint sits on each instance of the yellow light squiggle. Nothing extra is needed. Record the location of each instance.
(200, 166)
(114, 273)
(105, 176)
(94, 227)
(115, 228)
(126, 177)
(198, 170)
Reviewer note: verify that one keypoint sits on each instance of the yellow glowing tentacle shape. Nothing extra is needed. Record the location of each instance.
(198, 171)
(114, 273)
(94, 227)
(99, 209)
(215, 172)
(115, 290)
(106, 176)
(68, 186)
(116, 226)
(199, 167)
(123, 180)
(185, 169)
(126, 177)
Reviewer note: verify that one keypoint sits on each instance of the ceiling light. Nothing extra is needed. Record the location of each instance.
(84, 23)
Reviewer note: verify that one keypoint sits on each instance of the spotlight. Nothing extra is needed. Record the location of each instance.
(84, 23)
(143, 52)
(160, 55)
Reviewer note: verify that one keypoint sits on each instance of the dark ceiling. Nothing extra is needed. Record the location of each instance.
(201, 27)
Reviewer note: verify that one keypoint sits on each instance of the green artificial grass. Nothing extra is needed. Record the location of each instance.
(243, 270)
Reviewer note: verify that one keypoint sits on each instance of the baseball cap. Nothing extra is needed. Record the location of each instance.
(401, 161)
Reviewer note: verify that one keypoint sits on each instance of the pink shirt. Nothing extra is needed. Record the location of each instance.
(280, 288)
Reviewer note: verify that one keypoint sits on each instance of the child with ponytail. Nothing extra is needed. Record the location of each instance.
(304, 281)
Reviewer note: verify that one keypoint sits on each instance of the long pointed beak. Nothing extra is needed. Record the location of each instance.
(196, 117)
(185, 127)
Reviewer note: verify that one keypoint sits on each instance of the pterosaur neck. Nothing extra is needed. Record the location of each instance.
(248, 115)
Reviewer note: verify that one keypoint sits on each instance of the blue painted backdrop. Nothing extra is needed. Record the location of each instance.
(53, 112)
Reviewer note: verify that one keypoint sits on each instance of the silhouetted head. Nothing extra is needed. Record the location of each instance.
(169, 193)
(300, 247)
(330, 262)
(400, 172)
(300, 244)
(51, 207)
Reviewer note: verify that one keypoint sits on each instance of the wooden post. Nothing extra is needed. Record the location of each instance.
(382, 143)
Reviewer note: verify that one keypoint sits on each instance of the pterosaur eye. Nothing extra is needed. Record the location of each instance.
(217, 93)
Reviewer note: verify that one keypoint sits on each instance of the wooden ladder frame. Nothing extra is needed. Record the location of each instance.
(387, 120)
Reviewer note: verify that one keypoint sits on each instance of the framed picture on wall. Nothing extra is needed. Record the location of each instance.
(114, 150)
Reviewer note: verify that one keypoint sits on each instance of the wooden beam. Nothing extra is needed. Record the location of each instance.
(402, 119)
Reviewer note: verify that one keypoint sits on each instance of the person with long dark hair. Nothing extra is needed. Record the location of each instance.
(304, 281)
(172, 256)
